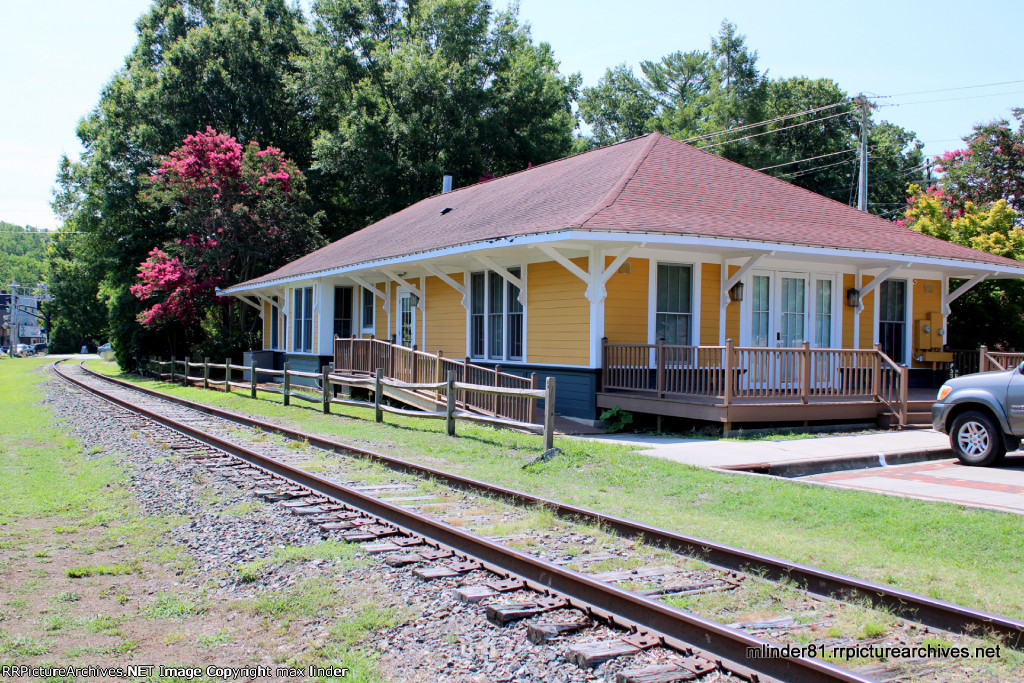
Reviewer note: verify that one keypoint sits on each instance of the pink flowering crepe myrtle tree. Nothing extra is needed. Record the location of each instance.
(240, 211)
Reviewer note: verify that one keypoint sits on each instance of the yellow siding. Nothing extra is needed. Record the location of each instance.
(316, 332)
(710, 310)
(867, 318)
(380, 319)
(732, 315)
(445, 318)
(927, 301)
(625, 308)
(558, 315)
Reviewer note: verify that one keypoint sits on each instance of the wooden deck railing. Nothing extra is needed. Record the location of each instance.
(732, 373)
(358, 356)
(990, 361)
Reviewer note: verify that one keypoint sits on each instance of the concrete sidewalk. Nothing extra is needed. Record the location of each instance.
(917, 444)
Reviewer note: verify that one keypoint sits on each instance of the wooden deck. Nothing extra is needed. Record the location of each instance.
(730, 384)
(763, 410)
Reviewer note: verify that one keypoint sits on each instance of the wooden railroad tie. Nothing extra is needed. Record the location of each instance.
(685, 669)
(504, 614)
(538, 634)
(474, 594)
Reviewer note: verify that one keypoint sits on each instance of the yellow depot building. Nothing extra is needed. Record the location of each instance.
(648, 275)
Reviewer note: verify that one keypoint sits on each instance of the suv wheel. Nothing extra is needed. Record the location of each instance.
(976, 439)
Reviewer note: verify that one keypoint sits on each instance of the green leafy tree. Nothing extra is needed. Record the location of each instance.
(406, 91)
(618, 108)
(993, 312)
(691, 95)
(22, 254)
(197, 63)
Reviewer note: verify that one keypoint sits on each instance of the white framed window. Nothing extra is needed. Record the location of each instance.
(369, 306)
(673, 318)
(495, 317)
(302, 320)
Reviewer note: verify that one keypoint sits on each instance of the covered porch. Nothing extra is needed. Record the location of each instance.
(732, 384)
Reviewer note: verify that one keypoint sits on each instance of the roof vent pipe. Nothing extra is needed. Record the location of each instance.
(446, 184)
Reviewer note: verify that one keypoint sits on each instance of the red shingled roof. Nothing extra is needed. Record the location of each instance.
(648, 184)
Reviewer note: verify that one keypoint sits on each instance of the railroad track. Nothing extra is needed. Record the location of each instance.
(533, 585)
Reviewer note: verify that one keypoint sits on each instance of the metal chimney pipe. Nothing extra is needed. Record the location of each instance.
(446, 183)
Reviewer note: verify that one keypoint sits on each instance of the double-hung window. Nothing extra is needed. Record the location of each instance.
(369, 305)
(674, 306)
(496, 317)
(343, 312)
(302, 319)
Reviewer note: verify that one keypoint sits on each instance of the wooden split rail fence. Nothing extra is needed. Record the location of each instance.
(327, 379)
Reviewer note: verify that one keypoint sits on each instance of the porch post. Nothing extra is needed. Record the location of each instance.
(982, 360)
(876, 372)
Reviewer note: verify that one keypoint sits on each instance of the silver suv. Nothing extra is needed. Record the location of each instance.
(983, 414)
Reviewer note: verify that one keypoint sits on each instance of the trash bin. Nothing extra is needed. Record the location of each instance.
(85, 349)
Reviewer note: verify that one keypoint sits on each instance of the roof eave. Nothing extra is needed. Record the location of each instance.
(571, 233)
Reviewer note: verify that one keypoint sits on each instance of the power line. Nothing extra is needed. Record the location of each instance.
(963, 87)
(820, 156)
(808, 171)
(777, 130)
(951, 99)
(747, 126)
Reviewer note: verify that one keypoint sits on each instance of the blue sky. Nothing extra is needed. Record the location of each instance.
(58, 54)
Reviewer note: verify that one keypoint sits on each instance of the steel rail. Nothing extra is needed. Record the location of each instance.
(678, 628)
(922, 609)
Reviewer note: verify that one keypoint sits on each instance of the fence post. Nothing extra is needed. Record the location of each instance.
(728, 369)
(982, 360)
(532, 417)
(286, 391)
(184, 377)
(326, 386)
(449, 413)
(391, 360)
(378, 414)
(172, 369)
(252, 378)
(206, 372)
(876, 373)
(549, 413)
(805, 371)
(227, 375)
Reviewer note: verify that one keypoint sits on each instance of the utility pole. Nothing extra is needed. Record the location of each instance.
(862, 180)
(14, 318)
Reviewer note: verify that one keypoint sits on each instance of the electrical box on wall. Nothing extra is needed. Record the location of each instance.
(930, 337)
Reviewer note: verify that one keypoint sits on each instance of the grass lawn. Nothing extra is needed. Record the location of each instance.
(87, 577)
(964, 555)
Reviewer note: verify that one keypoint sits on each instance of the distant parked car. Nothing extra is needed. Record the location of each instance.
(983, 414)
(42, 348)
(106, 351)
(6, 348)
(23, 350)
